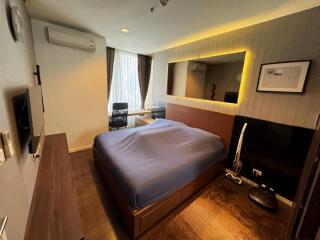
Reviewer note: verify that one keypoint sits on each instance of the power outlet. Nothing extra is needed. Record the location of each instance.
(256, 172)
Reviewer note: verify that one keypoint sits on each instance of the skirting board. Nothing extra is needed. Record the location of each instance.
(77, 149)
(279, 197)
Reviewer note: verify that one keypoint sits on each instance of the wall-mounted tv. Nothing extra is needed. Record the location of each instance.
(29, 114)
(20, 106)
(36, 116)
(278, 150)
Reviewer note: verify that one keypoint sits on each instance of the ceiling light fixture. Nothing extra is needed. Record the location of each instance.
(161, 3)
(125, 29)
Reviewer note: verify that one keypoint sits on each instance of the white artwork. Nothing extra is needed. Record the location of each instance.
(283, 77)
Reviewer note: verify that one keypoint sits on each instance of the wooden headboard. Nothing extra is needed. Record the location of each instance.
(218, 123)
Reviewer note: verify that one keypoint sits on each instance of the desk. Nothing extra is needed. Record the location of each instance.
(136, 112)
(54, 212)
(142, 121)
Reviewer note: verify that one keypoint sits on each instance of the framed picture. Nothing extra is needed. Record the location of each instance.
(287, 77)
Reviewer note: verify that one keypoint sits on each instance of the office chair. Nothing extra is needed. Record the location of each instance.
(119, 117)
(158, 112)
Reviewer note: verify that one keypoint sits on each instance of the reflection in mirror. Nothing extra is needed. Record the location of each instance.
(215, 78)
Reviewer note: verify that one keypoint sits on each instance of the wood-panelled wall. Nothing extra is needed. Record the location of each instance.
(294, 37)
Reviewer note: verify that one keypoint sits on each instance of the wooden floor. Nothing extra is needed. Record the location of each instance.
(222, 211)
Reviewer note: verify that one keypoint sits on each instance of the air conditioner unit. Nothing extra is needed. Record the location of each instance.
(198, 67)
(71, 39)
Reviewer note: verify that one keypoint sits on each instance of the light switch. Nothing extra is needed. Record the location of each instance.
(7, 144)
(2, 157)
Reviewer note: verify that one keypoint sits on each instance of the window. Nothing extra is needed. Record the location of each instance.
(125, 82)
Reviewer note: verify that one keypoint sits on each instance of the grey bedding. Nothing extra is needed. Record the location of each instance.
(153, 161)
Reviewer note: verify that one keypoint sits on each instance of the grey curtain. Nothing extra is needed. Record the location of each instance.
(110, 61)
(144, 71)
(170, 78)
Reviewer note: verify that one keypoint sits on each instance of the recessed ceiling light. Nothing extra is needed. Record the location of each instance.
(125, 29)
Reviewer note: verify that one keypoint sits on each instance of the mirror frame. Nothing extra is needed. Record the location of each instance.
(243, 76)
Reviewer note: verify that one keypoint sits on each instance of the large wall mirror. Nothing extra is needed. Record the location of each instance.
(214, 78)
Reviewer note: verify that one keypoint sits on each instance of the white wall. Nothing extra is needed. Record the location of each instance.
(180, 78)
(18, 174)
(74, 88)
(224, 75)
(195, 83)
(289, 38)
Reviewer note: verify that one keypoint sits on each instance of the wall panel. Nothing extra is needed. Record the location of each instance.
(74, 88)
(294, 37)
(18, 173)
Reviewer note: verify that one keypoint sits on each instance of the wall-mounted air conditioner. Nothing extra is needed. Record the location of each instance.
(71, 39)
(198, 67)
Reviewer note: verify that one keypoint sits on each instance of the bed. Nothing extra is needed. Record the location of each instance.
(154, 170)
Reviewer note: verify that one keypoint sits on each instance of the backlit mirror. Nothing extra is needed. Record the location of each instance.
(215, 78)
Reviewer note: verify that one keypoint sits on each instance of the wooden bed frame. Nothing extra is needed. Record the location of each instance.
(214, 122)
(139, 221)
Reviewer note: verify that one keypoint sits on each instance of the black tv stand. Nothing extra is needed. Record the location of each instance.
(264, 197)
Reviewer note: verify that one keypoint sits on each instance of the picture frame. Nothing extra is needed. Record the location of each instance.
(283, 77)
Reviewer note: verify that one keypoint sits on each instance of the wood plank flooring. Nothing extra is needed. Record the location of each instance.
(222, 211)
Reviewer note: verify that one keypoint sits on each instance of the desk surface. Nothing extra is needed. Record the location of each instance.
(136, 112)
(54, 212)
(141, 121)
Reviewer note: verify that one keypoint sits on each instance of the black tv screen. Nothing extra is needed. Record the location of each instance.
(231, 97)
(36, 116)
(20, 107)
(278, 150)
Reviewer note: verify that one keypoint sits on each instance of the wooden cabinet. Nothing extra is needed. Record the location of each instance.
(304, 221)
(54, 212)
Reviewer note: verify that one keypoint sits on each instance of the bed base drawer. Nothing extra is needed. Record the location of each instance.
(140, 221)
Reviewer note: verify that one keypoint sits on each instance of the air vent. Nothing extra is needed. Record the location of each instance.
(71, 39)
(198, 67)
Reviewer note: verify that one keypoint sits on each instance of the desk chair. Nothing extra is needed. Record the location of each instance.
(158, 113)
(119, 117)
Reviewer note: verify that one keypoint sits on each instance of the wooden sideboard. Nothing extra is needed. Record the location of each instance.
(54, 212)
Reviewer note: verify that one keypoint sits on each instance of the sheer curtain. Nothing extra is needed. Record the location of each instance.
(125, 82)
(148, 102)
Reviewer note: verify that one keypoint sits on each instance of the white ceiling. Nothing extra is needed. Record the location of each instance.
(180, 22)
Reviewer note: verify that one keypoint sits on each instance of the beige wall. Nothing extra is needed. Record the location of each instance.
(180, 78)
(74, 88)
(225, 77)
(293, 37)
(195, 83)
(187, 83)
(18, 174)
